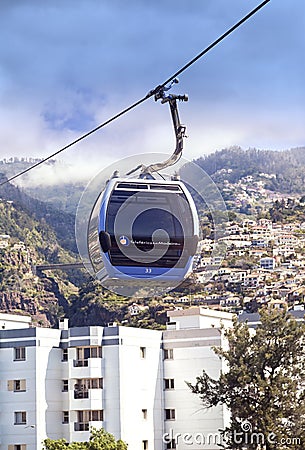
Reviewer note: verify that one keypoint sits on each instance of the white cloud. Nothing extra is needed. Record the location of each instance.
(67, 67)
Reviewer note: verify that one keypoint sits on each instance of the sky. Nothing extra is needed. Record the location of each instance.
(67, 66)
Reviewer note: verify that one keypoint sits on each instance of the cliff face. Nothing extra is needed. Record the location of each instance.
(24, 243)
(22, 291)
(15, 301)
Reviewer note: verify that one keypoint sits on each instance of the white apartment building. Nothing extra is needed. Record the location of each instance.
(57, 383)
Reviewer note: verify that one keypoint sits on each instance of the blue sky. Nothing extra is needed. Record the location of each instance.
(66, 66)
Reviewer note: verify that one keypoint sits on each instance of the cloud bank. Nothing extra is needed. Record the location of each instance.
(66, 67)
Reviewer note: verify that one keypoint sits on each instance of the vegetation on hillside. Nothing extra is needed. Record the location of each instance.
(48, 237)
(54, 294)
(60, 222)
(31, 242)
(235, 163)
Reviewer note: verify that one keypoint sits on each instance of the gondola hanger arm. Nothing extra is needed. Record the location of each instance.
(179, 129)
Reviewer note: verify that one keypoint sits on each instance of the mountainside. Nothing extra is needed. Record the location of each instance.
(24, 243)
(285, 172)
(62, 223)
(259, 183)
(28, 239)
(286, 169)
(52, 182)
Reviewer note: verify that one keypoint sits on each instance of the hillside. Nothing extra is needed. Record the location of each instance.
(24, 243)
(252, 182)
(286, 169)
(51, 185)
(285, 172)
(28, 239)
(62, 223)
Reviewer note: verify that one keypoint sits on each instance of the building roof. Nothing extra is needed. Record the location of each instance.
(195, 311)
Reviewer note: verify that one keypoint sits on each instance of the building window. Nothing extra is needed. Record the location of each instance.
(170, 414)
(168, 353)
(169, 383)
(95, 352)
(97, 416)
(145, 445)
(171, 444)
(82, 386)
(16, 385)
(84, 353)
(65, 385)
(20, 418)
(19, 354)
(64, 356)
(90, 416)
(144, 413)
(143, 352)
(95, 383)
(19, 385)
(65, 417)
(84, 417)
(81, 426)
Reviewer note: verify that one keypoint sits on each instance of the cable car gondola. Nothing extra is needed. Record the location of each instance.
(147, 229)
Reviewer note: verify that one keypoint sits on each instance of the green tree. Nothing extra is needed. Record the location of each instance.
(102, 440)
(55, 444)
(263, 386)
(99, 440)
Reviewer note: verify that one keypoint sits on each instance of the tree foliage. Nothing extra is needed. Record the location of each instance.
(263, 386)
(99, 440)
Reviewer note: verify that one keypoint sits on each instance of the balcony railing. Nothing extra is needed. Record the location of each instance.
(80, 363)
(81, 394)
(81, 426)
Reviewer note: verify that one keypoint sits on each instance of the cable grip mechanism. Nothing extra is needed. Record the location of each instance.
(179, 129)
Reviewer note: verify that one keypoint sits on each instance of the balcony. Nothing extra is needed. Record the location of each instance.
(85, 426)
(81, 426)
(86, 368)
(87, 399)
(81, 393)
(80, 362)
